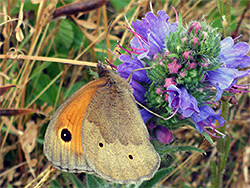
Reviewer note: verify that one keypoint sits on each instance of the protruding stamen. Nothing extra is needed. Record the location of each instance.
(237, 38)
(176, 14)
(113, 66)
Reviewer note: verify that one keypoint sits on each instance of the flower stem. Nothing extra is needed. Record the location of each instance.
(223, 148)
(218, 166)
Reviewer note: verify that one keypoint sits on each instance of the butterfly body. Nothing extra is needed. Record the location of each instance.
(99, 130)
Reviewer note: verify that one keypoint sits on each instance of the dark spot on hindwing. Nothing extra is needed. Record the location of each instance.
(130, 157)
(100, 144)
(66, 135)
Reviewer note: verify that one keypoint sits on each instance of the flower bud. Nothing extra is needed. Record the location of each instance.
(184, 40)
(203, 35)
(196, 26)
(195, 42)
(191, 65)
(174, 66)
(166, 97)
(169, 81)
(192, 73)
(204, 63)
(151, 126)
(164, 135)
(186, 55)
(158, 91)
(161, 63)
(183, 74)
(167, 53)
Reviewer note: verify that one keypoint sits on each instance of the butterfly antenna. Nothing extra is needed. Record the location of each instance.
(110, 24)
(101, 68)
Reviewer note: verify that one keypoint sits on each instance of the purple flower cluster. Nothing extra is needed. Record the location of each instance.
(187, 63)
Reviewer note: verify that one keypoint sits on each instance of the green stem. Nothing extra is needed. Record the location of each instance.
(223, 148)
(218, 166)
(226, 23)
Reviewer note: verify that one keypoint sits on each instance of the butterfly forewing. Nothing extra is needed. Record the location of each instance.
(62, 142)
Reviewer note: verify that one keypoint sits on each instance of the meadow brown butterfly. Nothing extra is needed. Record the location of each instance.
(100, 130)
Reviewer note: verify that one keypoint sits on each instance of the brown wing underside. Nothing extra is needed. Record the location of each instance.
(115, 139)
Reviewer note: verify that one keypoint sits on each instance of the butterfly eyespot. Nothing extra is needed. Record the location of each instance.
(130, 157)
(65, 135)
(100, 144)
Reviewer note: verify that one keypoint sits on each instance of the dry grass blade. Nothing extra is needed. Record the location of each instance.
(50, 59)
(83, 7)
(16, 112)
(4, 89)
(43, 178)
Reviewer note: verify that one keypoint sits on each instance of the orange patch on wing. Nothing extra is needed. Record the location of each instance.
(73, 112)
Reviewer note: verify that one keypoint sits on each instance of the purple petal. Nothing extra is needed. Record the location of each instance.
(145, 115)
(129, 64)
(138, 92)
(188, 104)
(226, 43)
(206, 117)
(141, 27)
(234, 56)
(174, 93)
(154, 29)
(222, 78)
(241, 62)
(180, 98)
(238, 49)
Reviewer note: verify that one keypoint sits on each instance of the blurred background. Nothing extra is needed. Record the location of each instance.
(48, 50)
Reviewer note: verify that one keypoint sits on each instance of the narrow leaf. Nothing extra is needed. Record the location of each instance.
(208, 138)
(54, 183)
(75, 180)
(157, 177)
(93, 181)
(189, 148)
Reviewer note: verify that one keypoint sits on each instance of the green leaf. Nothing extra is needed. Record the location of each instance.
(207, 136)
(79, 38)
(49, 95)
(166, 149)
(75, 180)
(93, 181)
(189, 148)
(65, 35)
(173, 149)
(130, 186)
(118, 5)
(180, 27)
(55, 183)
(173, 55)
(9, 186)
(37, 71)
(157, 177)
